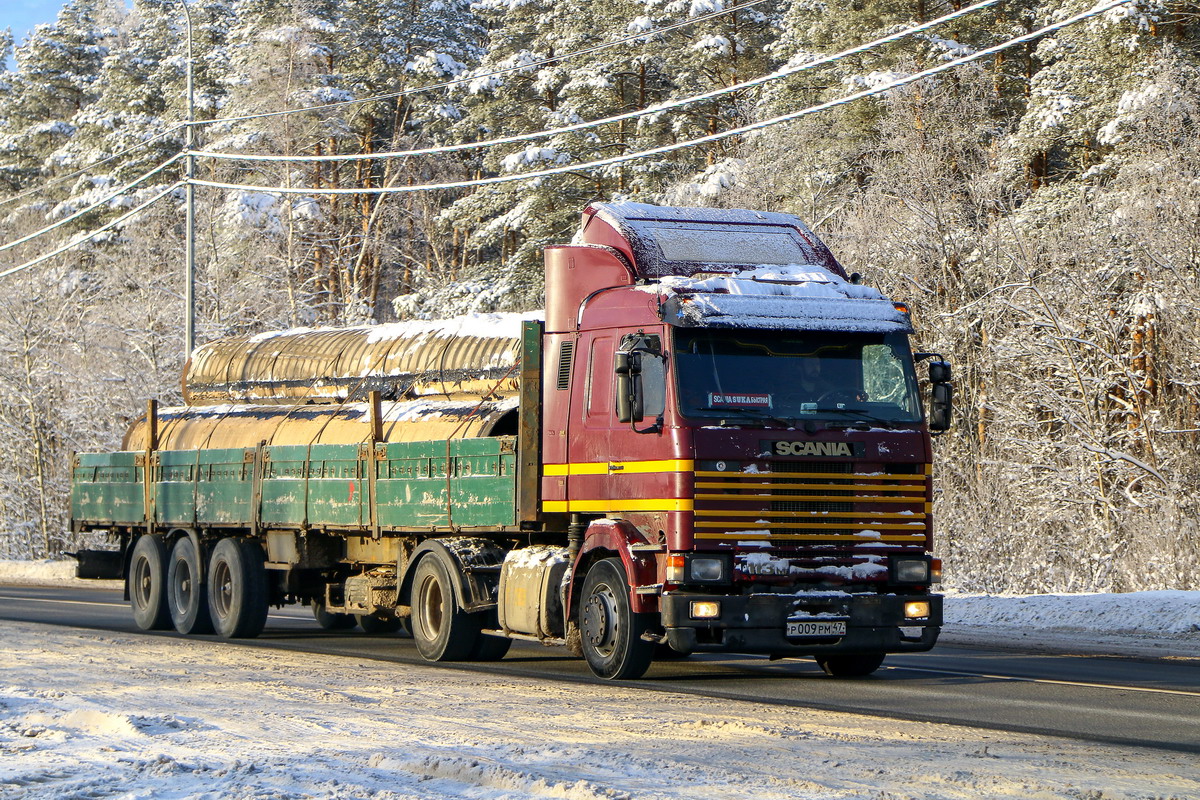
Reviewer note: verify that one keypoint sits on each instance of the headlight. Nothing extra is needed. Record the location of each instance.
(910, 570)
(698, 568)
(916, 609)
(708, 569)
(705, 609)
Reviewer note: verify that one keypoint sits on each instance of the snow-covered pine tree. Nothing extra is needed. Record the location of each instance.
(56, 78)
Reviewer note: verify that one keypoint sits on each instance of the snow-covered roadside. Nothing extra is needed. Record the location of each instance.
(1162, 624)
(1156, 624)
(97, 714)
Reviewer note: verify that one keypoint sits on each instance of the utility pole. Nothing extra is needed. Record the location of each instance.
(190, 195)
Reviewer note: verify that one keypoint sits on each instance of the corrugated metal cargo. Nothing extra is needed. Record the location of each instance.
(202, 427)
(465, 357)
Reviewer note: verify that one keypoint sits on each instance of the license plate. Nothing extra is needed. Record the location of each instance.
(816, 628)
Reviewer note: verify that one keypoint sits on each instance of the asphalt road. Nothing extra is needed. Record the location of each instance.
(1131, 702)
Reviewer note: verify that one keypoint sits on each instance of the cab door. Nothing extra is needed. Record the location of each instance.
(616, 470)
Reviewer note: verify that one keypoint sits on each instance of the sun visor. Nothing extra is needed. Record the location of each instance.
(785, 313)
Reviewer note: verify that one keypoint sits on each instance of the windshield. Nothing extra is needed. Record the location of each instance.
(794, 376)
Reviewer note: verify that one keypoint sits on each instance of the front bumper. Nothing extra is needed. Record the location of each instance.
(757, 623)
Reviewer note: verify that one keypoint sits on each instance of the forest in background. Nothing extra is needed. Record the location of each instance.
(1040, 210)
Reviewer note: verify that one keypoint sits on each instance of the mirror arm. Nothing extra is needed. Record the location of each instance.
(657, 427)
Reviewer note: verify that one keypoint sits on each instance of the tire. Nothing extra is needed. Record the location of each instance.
(611, 633)
(148, 583)
(237, 589)
(187, 594)
(441, 630)
(378, 623)
(331, 620)
(489, 648)
(856, 666)
(664, 652)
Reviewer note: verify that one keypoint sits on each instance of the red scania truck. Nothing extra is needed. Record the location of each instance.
(714, 440)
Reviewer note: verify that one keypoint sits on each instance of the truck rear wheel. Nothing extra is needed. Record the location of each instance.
(237, 589)
(611, 633)
(148, 583)
(379, 623)
(186, 593)
(441, 629)
(856, 666)
(331, 620)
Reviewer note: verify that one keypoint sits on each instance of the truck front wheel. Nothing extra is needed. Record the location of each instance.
(148, 583)
(237, 589)
(441, 629)
(856, 666)
(611, 633)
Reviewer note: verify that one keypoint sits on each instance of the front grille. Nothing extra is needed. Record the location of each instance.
(822, 503)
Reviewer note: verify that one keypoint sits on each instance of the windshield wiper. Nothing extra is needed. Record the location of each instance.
(755, 415)
(862, 415)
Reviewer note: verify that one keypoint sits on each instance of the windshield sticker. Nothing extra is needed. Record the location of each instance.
(739, 400)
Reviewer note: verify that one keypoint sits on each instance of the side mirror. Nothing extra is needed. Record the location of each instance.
(629, 387)
(941, 396)
(941, 407)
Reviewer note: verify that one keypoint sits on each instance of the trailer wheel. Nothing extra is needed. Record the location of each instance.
(441, 629)
(379, 623)
(237, 589)
(187, 596)
(147, 583)
(611, 633)
(331, 620)
(856, 666)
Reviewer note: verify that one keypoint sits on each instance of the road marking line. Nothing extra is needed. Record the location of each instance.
(1050, 681)
(64, 602)
(289, 618)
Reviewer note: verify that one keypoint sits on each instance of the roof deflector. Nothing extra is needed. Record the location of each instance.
(670, 240)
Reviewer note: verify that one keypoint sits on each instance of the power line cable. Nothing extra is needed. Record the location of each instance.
(780, 74)
(391, 95)
(135, 182)
(60, 178)
(82, 238)
(1096, 10)
(504, 71)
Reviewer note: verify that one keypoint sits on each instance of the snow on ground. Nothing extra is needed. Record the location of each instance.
(87, 714)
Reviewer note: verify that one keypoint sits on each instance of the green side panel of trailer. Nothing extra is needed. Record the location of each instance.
(224, 487)
(175, 487)
(337, 491)
(413, 484)
(286, 473)
(467, 483)
(107, 488)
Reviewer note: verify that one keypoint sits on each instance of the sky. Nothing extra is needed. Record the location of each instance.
(22, 15)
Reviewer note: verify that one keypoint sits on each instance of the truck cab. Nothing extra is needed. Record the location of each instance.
(733, 429)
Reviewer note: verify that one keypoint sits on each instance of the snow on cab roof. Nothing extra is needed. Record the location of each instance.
(800, 296)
